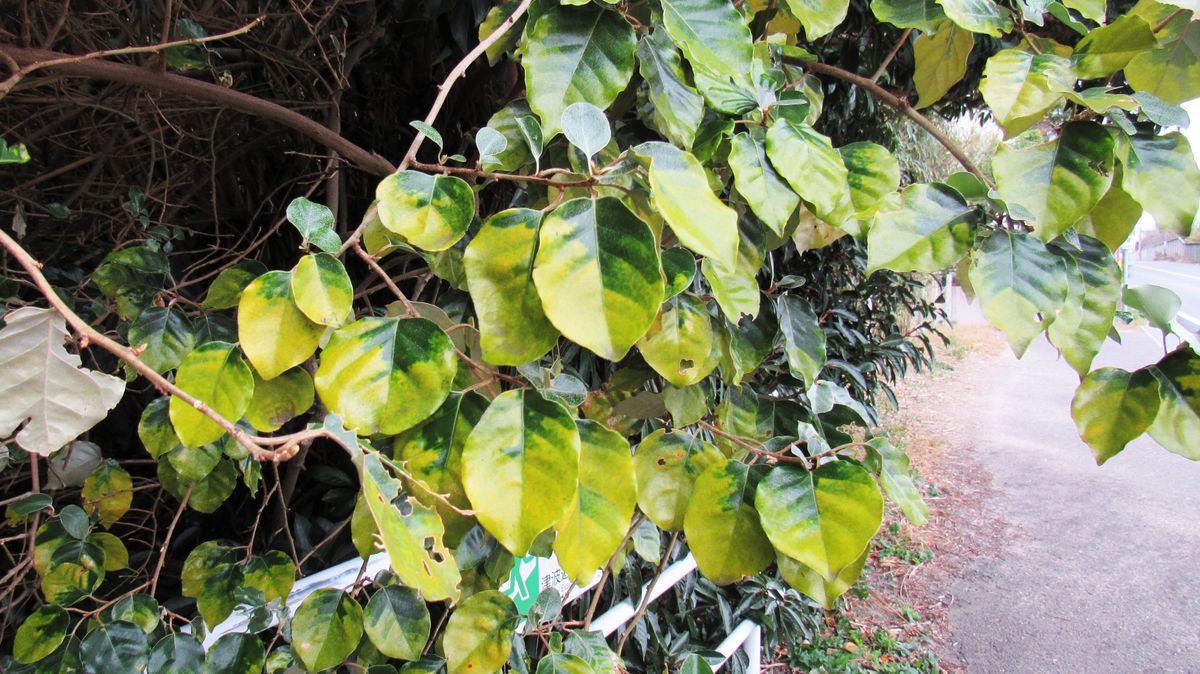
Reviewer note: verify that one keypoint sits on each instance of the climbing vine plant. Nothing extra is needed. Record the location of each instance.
(662, 152)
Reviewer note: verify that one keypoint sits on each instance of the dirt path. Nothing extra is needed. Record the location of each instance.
(1044, 562)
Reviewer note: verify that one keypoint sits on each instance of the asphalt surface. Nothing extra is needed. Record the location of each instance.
(1102, 570)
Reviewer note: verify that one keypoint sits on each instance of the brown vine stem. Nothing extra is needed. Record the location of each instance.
(1171, 17)
(128, 355)
(539, 178)
(192, 88)
(443, 91)
(15, 78)
(387, 280)
(887, 60)
(898, 103)
(162, 551)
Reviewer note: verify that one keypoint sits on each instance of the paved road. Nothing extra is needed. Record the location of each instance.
(1181, 277)
(1102, 573)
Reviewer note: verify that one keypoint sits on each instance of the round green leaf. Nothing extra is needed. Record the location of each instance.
(50, 537)
(273, 574)
(576, 54)
(109, 490)
(598, 516)
(1177, 424)
(116, 647)
(928, 229)
(1060, 181)
(397, 622)
(598, 274)
(237, 653)
(164, 335)
(315, 223)
(195, 463)
(1020, 284)
(272, 330)
(519, 467)
(326, 629)
(679, 268)
(176, 654)
(208, 493)
(226, 289)
(666, 466)
(872, 174)
(1094, 288)
(431, 212)
(321, 289)
(66, 583)
(586, 127)
(979, 16)
(479, 634)
(1112, 407)
(810, 583)
(40, 634)
(279, 400)
(216, 374)
(385, 375)
(823, 518)
(1107, 49)
(679, 343)
(432, 453)
(819, 17)
(155, 429)
(140, 609)
(513, 329)
(562, 663)
(924, 15)
(722, 527)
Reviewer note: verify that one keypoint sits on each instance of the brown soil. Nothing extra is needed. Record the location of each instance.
(962, 526)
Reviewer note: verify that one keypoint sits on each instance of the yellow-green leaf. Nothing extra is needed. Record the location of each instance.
(110, 490)
(520, 465)
(819, 17)
(928, 229)
(815, 170)
(599, 515)
(1021, 87)
(386, 375)
(279, 400)
(667, 465)
(272, 330)
(513, 329)
(812, 585)
(326, 629)
(322, 290)
(722, 527)
(822, 518)
(430, 212)
(1020, 284)
(216, 374)
(1107, 49)
(680, 191)
(598, 274)
(712, 34)
(479, 634)
(979, 16)
(1171, 72)
(941, 61)
(758, 183)
(1161, 174)
(1112, 407)
(679, 343)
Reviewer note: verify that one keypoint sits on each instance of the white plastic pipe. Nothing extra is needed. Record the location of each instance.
(620, 614)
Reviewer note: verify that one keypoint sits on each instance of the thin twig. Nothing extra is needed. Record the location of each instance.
(587, 619)
(898, 103)
(409, 309)
(1171, 17)
(887, 60)
(13, 79)
(162, 551)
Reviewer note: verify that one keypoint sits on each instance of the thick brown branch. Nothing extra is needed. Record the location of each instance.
(898, 103)
(184, 86)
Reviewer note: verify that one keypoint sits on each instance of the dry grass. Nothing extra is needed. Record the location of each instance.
(912, 568)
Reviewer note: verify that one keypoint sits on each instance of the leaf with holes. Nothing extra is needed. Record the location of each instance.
(679, 343)
(666, 466)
